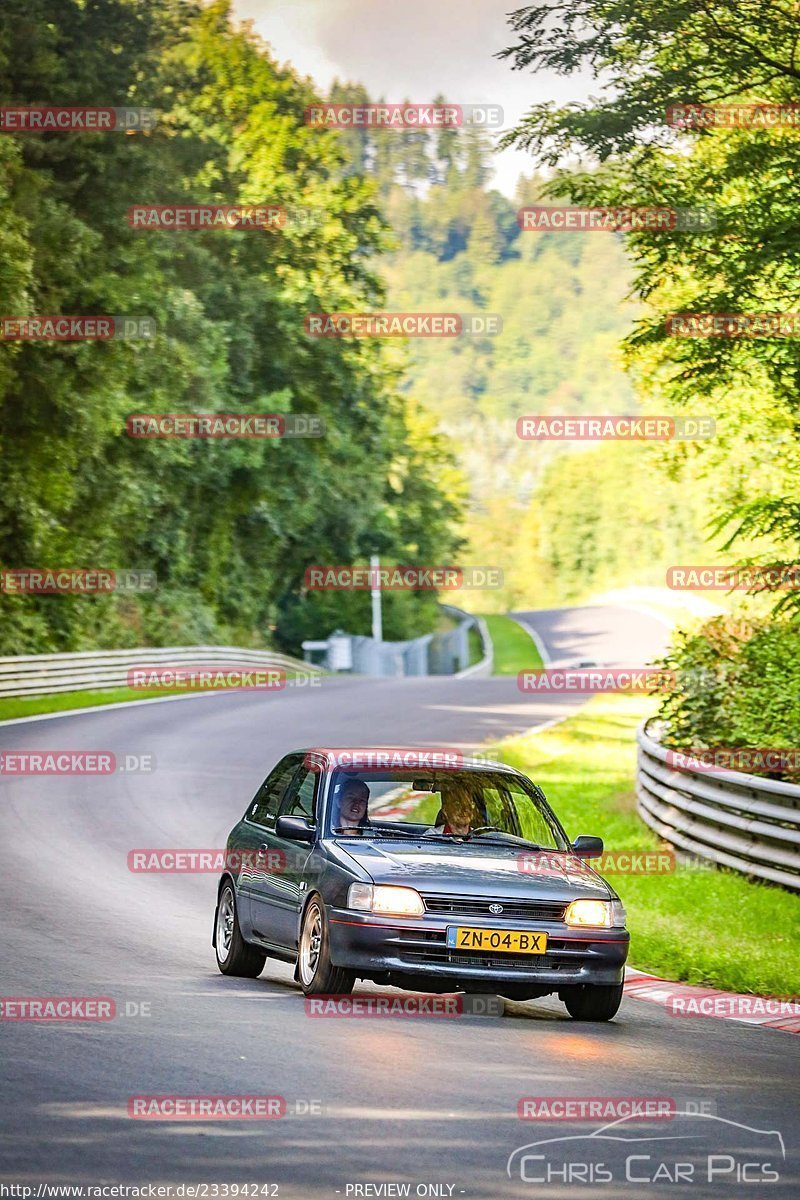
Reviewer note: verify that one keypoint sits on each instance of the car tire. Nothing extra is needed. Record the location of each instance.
(592, 1001)
(317, 974)
(234, 955)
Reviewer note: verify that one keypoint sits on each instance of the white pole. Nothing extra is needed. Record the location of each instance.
(377, 616)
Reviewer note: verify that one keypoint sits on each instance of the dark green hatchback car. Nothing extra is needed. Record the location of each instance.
(456, 877)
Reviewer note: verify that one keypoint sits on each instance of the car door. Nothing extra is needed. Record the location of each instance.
(277, 894)
(256, 836)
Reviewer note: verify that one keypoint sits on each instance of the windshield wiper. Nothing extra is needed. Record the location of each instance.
(375, 831)
(504, 833)
(479, 829)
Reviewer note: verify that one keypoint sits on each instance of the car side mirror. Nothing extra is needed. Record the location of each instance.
(295, 829)
(587, 847)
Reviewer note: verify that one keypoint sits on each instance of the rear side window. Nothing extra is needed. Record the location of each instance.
(267, 799)
(299, 800)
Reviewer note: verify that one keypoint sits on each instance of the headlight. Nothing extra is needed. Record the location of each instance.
(396, 901)
(601, 914)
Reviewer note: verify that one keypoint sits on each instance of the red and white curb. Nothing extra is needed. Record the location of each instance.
(685, 1000)
(398, 811)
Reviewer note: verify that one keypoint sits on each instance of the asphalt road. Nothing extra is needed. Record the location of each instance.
(427, 1102)
(606, 635)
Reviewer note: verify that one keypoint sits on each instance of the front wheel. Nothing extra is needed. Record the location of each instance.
(593, 1001)
(318, 976)
(234, 955)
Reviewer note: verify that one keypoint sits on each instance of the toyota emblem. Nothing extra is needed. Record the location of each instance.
(495, 908)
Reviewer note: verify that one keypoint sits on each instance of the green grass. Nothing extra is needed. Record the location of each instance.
(31, 706)
(704, 926)
(475, 645)
(514, 649)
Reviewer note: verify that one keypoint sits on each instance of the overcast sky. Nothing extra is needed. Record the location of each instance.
(414, 49)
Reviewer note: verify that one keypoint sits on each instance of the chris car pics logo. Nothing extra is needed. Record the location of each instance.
(700, 1148)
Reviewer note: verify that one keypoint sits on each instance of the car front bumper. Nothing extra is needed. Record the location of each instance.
(371, 945)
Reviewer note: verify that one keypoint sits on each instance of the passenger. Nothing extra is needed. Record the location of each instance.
(353, 803)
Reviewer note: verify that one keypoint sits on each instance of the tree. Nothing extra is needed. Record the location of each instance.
(229, 527)
(647, 57)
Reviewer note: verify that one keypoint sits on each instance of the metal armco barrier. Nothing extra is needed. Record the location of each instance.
(735, 820)
(446, 652)
(40, 674)
(485, 665)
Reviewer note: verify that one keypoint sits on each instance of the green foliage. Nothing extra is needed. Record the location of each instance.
(457, 247)
(737, 684)
(609, 515)
(229, 527)
(650, 56)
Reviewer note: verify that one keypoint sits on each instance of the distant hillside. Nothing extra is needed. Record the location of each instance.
(563, 521)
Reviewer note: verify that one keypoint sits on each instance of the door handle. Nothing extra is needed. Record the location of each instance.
(262, 850)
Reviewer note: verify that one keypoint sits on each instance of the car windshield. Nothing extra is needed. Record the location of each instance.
(449, 805)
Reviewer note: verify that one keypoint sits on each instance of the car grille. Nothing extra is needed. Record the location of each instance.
(429, 947)
(504, 962)
(477, 906)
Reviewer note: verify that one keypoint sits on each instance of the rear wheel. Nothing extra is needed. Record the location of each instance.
(234, 955)
(593, 1001)
(317, 974)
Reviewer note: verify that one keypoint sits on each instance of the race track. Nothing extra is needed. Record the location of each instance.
(422, 1101)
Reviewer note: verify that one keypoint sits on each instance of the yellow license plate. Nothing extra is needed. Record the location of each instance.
(504, 941)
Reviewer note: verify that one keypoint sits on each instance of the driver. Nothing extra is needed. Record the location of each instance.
(458, 812)
(353, 803)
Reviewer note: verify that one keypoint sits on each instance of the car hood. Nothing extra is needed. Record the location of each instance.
(472, 869)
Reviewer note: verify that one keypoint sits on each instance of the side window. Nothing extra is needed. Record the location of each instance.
(266, 801)
(300, 798)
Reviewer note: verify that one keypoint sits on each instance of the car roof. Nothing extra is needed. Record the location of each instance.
(329, 753)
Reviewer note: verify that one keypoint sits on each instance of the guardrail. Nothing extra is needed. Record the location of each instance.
(735, 820)
(40, 674)
(446, 652)
(485, 664)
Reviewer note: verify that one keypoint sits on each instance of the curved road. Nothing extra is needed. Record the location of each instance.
(422, 1101)
(606, 635)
